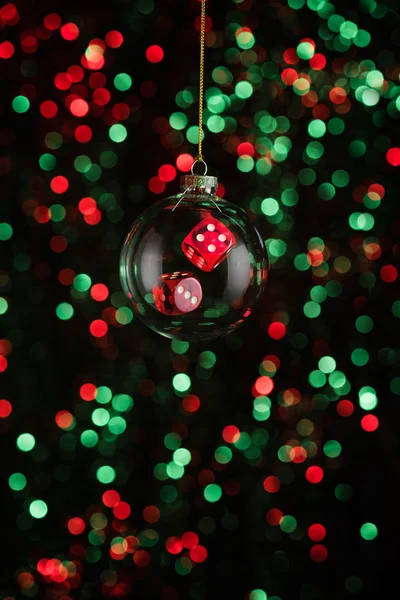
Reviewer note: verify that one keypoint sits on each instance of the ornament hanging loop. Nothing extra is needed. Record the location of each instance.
(199, 160)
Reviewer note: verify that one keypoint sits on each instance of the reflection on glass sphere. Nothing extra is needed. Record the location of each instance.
(193, 265)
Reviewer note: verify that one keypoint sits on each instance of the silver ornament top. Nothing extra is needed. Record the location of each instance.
(200, 183)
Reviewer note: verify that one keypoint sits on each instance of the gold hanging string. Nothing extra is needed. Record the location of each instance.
(199, 156)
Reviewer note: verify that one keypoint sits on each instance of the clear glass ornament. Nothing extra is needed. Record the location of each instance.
(193, 265)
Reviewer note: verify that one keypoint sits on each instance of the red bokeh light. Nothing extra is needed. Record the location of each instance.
(345, 408)
(121, 111)
(263, 386)
(59, 184)
(29, 43)
(122, 510)
(245, 149)
(184, 162)
(369, 423)
(389, 274)
(274, 516)
(154, 54)
(289, 76)
(318, 62)
(141, 558)
(79, 107)
(231, 434)
(378, 189)
(3, 364)
(64, 419)
(191, 403)
(272, 484)
(6, 346)
(277, 330)
(114, 39)
(83, 134)
(110, 498)
(52, 21)
(42, 566)
(97, 80)
(151, 514)
(76, 525)
(66, 276)
(48, 109)
(314, 474)
(310, 99)
(94, 218)
(75, 73)
(320, 111)
(69, 31)
(62, 81)
(316, 532)
(9, 14)
(101, 96)
(88, 392)
(393, 157)
(42, 214)
(5, 409)
(290, 56)
(99, 292)
(6, 50)
(319, 553)
(337, 95)
(156, 185)
(174, 545)
(198, 554)
(315, 257)
(98, 328)
(87, 206)
(167, 173)
(298, 454)
(25, 580)
(58, 243)
(190, 540)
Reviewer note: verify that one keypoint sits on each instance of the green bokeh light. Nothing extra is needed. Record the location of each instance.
(317, 128)
(17, 481)
(212, 492)
(118, 133)
(122, 82)
(369, 531)
(38, 509)
(6, 232)
(106, 474)
(20, 104)
(181, 383)
(26, 442)
(65, 311)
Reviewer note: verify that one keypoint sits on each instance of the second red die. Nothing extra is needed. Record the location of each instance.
(177, 293)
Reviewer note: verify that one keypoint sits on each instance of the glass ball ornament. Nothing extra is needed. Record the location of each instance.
(193, 266)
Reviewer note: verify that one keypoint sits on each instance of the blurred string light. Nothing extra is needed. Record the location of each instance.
(308, 123)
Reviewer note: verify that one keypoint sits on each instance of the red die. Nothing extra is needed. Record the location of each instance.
(177, 293)
(208, 244)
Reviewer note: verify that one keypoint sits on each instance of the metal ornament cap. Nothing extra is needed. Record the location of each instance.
(200, 183)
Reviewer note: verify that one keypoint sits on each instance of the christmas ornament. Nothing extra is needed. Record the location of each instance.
(193, 265)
